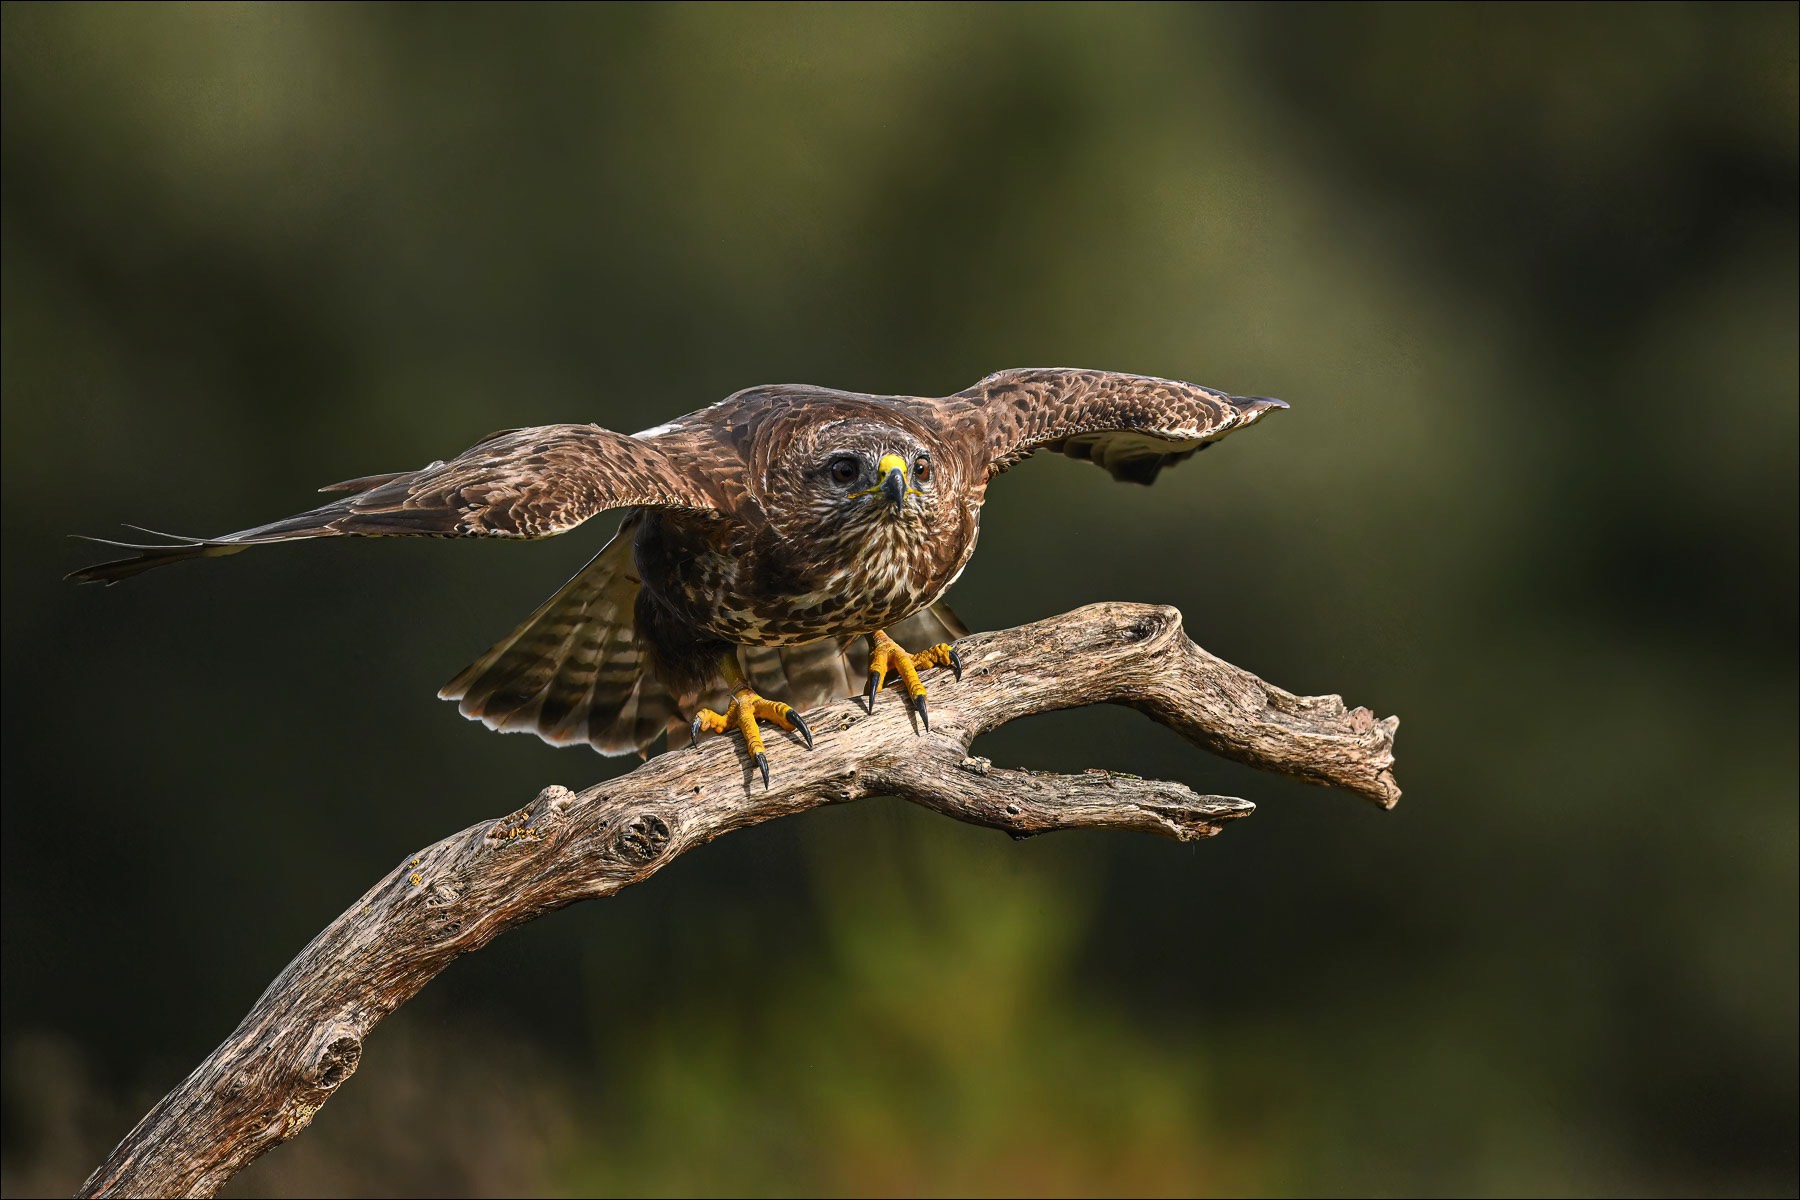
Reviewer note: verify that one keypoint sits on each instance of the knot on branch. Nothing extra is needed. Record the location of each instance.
(331, 1057)
(549, 806)
(235, 1084)
(1140, 623)
(642, 839)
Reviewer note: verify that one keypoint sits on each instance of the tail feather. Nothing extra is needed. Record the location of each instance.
(928, 627)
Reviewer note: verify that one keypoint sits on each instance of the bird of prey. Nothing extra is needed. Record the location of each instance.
(763, 537)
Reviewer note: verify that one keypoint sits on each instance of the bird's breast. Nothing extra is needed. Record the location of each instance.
(782, 590)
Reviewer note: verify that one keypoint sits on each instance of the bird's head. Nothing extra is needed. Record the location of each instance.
(863, 476)
(878, 479)
(880, 482)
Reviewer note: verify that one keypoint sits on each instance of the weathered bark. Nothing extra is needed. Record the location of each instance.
(303, 1037)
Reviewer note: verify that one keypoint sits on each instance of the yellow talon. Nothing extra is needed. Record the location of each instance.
(744, 712)
(708, 721)
(886, 653)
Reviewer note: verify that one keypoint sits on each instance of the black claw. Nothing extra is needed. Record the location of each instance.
(762, 761)
(694, 730)
(869, 692)
(956, 663)
(924, 717)
(800, 727)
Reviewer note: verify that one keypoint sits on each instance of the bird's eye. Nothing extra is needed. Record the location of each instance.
(845, 469)
(922, 469)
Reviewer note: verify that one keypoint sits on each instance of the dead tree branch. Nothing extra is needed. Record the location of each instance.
(304, 1036)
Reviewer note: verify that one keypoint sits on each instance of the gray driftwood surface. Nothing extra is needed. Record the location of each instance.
(304, 1036)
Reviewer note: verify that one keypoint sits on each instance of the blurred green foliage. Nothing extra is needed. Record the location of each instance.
(1528, 277)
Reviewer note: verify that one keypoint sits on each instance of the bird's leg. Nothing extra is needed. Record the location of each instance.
(885, 654)
(744, 711)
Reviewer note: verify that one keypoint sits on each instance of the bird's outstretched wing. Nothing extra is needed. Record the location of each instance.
(518, 483)
(1132, 425)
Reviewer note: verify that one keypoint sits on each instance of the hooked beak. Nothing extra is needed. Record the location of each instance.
(892, 469)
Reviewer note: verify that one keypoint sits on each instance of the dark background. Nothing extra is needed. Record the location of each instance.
(1527, 277)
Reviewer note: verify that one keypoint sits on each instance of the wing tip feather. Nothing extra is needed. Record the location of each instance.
(147, 557)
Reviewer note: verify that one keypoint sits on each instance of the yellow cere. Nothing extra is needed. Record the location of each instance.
(889, 462)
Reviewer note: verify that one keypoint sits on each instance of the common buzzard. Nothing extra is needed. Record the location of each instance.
(764, 535)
